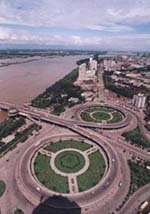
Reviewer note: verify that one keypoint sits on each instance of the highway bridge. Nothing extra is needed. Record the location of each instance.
(108, 189)
(44, 115)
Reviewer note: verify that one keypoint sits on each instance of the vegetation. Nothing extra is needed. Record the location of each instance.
(9, 126)
(125, 91)
(101, 108)
(58, 94)
(135, 137)
(1, 144)
(94, 173)
(140, 175)
(109, 84)
(19, 137)
(47, 176)
(69, 161)
(81, 61)
(23, 135)
(86, 116)
(81, 145)
(147, 111)
(117, 117)
(98, 114)
(18, 211)
(2, 187)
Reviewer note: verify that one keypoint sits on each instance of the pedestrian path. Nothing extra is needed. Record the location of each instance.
(46, 152)
(73, 185)
(91, 150)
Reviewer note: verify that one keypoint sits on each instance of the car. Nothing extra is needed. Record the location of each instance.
(120, 184)
(38, 188)
(113, 160)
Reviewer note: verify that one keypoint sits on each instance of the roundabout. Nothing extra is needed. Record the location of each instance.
(69, 170)
(101, 114)
(83, 167)
(87, 186)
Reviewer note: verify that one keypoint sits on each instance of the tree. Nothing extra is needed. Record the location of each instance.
(18, 211)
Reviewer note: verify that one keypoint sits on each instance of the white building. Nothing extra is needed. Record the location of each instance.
(92, 64)
(73, 100)
(85, 74)
(82, 72)
(139, 100)
(111, 65)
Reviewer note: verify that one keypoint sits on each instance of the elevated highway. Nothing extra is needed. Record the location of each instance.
(47, 117)
(6, 106)
(109, 187)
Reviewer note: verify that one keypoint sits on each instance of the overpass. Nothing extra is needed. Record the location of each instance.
(6, 106)
(44, 115)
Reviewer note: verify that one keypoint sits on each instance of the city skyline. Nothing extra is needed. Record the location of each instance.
(112, 25)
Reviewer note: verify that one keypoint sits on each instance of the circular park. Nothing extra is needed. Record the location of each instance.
(69, 161)
(102, 114)
(69, 166)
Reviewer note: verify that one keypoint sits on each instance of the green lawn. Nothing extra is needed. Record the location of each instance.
(102, 108)
(56, 146)
(140, 176)
(2, 187)
(100, 115)
(117, 117)
(69, 161)
(137, 138)
(86, 116)
(47, 176)
(94, 174)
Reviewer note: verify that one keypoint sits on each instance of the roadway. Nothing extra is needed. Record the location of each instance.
(107, 189)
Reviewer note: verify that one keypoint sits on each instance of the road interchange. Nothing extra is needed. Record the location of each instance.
(27, 184)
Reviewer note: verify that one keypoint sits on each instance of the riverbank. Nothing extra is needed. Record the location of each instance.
(20, 83)
(60, 95)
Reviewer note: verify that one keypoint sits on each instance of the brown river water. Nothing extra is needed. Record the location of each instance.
(20, 83)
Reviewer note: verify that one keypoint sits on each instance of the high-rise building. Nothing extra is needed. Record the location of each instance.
(82, 72)
(87, 71)
(92, 64)
(139, 101)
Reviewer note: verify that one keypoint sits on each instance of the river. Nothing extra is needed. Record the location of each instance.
(20, 83)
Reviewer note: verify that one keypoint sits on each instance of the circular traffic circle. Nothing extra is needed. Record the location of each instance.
(69, 170)
(101, 114)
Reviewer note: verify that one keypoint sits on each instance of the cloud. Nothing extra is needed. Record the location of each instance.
(123, 42)
(74, 14)
(95, 22)
(111, 28)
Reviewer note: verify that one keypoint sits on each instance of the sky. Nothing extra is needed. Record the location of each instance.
(93, 24)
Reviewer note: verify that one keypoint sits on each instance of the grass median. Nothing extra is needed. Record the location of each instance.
(94, 173)
(56, 146)
(47, 176)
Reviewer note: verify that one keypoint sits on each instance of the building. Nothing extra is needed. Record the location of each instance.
(85, 74)
(73, 100)
(82, 72)
(139, 101)
(92, 65)
(144, 208)
(13, 112)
